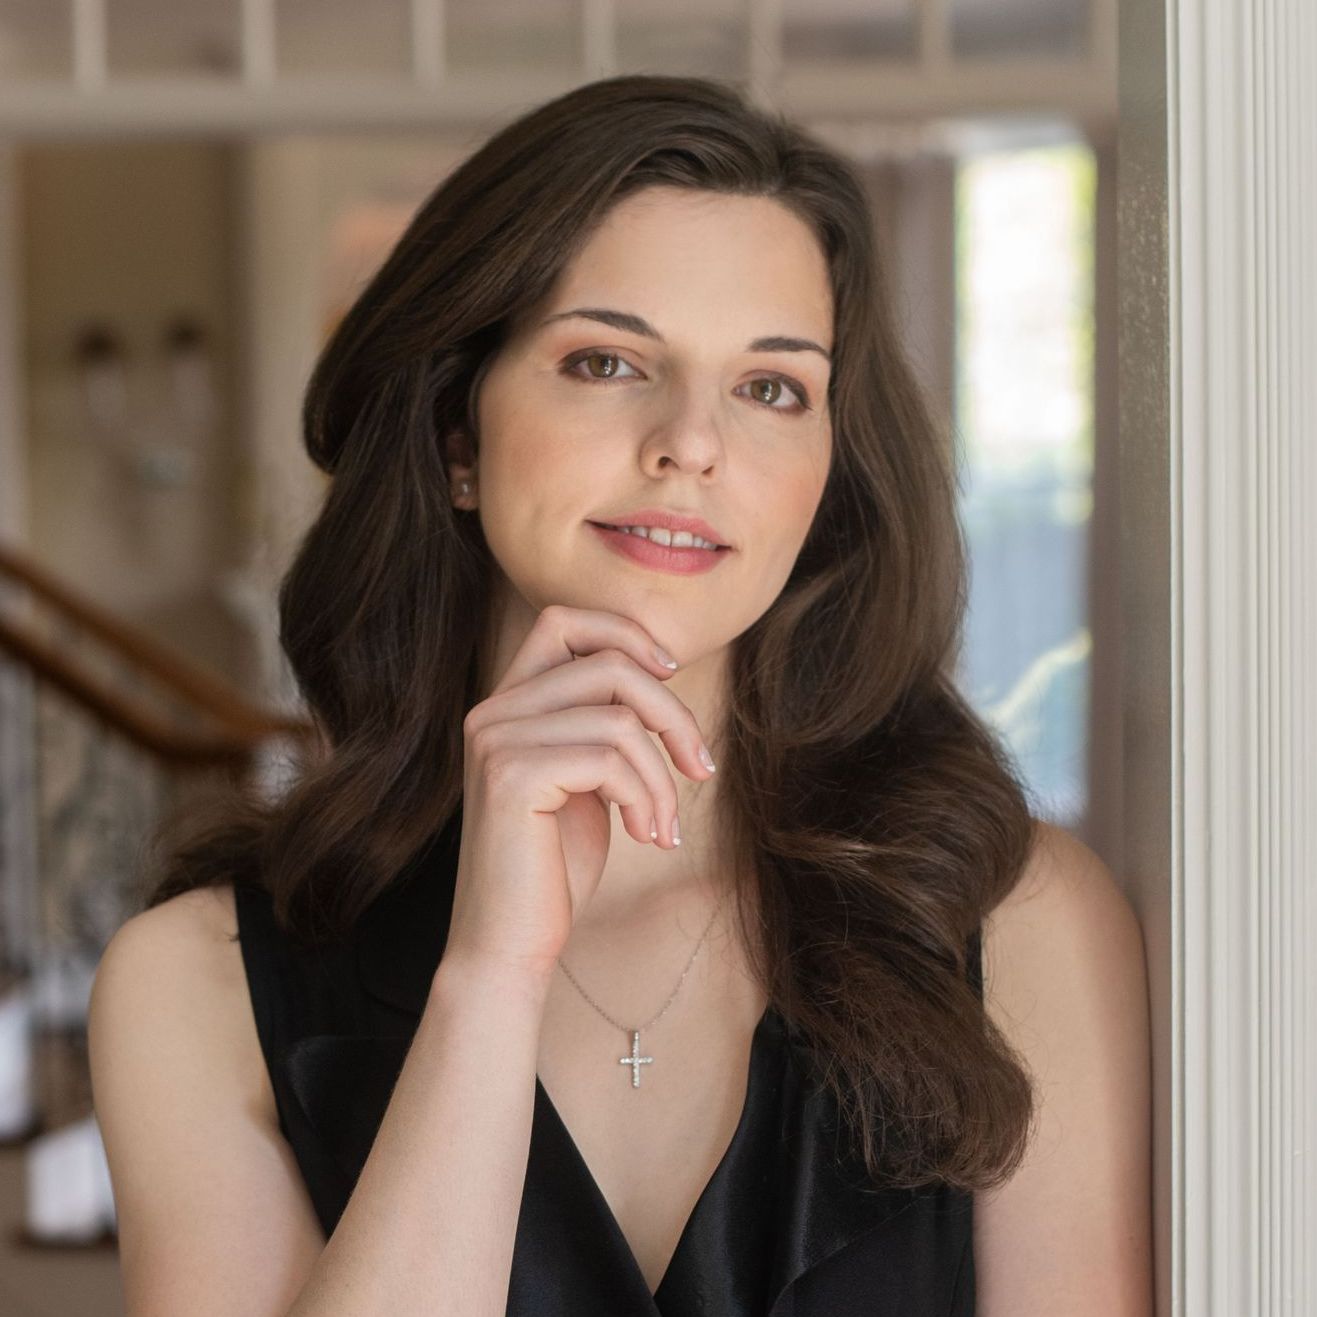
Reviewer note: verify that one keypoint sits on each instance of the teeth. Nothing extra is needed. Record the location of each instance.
(680, 539)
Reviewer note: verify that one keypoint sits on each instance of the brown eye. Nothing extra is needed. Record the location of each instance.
(768, 390)
(610, 369)
(612, 363)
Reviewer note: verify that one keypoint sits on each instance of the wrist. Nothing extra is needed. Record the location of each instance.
(464, 974)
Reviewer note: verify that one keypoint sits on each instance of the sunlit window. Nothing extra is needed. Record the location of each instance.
(1024, 421)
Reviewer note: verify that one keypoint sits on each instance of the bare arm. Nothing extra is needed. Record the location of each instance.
(214, 1218)
(1071, 1232)
(430, 1226)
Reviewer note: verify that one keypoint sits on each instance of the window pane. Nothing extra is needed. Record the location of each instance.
(706, 38)
(35, 40)
(1018, 27)
(343, 36)
(1024, 418)
(163, 36)
(511, 34)
(845, 31)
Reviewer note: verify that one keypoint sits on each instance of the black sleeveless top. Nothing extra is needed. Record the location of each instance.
(789, 1225)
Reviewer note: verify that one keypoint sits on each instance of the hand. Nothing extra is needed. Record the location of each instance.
(546, 754)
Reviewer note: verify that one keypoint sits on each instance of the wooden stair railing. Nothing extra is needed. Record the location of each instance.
(238, 726)
(125, 689)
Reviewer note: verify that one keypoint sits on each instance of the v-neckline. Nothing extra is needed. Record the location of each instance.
(719, 1171)
(783, 1199)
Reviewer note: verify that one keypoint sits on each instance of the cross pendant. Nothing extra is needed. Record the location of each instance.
(635, 1060)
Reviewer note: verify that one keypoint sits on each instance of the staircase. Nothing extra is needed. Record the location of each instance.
(103, 731)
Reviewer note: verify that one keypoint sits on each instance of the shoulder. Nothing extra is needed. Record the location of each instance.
(1065, 982)
(173, 977)
(1064, 967)
(200, 1171)
(187, 938)
(187, 931)
(1066, 915)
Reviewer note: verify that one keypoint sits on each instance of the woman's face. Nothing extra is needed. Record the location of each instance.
(680, 364)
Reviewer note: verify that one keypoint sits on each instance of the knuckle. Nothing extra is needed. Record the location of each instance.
(616, 664)
(473, 721)
(480, 743)
(500, 768)
(624, 718)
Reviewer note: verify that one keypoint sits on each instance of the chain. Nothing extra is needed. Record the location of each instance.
(671, 998)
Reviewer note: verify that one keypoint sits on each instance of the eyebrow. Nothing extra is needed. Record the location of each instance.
(633, 324)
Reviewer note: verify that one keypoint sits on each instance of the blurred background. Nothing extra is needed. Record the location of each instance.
(190, 195)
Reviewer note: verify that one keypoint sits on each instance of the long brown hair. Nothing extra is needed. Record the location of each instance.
(878, 819)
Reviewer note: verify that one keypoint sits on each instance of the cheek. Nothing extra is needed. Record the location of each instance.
(789, 498)
(526, 451)
(812, 482)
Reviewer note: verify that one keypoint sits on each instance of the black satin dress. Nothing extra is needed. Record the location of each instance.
(787, 1226)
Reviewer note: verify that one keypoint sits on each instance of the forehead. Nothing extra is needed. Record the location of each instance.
(681, 257)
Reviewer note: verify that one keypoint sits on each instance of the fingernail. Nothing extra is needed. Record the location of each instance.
(664, 657)
(676, 831)
(706, 758)
(653, 830)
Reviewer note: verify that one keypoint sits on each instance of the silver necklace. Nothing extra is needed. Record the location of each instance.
(635, 1060)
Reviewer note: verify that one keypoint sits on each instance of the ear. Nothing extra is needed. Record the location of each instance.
(461, 461)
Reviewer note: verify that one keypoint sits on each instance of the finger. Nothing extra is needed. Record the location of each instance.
(562, 633)
(608, 677)
(546, 776)
(607, 724)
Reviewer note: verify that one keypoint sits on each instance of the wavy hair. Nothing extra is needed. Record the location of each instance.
(876, 818)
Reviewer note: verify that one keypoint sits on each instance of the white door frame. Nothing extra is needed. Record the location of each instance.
(1218, 408)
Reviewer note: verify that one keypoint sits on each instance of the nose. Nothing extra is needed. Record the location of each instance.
(689, 438)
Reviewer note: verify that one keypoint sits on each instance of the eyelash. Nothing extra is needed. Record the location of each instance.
(801, 393)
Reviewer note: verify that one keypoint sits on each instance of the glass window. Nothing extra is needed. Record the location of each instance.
(484, 36)
(164, 37)
(1014, 28)
(1024, 424)
(706, 38)
(334, 36)
(849, 31)
(36, 40)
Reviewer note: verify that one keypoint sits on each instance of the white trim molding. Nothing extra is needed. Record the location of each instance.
(1219, 408)
(251, 91)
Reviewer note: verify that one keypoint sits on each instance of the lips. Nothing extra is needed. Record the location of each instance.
(669, 519)
(618, 525)
(675, 559)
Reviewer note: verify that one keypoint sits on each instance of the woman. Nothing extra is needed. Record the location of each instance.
(464, 1055)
